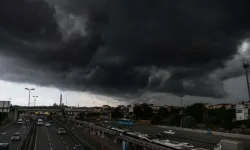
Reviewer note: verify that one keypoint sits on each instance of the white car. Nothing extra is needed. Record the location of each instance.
(186, 145)
(15, 137)
(47, 124)
(169, 132)
(217, 147)
(142, 135)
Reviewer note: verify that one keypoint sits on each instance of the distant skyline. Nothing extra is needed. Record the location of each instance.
(48, 96)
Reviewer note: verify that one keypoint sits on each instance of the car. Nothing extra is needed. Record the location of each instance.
(149, 138)
(169, 132)
(47, 124)
(15, 137)
(61, 131)
(186, 145)
(217, 147)
(199, 149)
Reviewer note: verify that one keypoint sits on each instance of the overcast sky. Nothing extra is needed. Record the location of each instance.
(124, 51)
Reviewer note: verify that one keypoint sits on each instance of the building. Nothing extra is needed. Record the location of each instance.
(242, 112)
(218, 106)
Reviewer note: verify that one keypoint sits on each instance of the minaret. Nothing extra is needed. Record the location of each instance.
(61, 99)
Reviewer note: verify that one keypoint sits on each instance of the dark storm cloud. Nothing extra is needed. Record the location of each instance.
(126, 46)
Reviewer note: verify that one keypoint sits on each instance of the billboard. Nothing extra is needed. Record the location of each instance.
(4, 106)
(241, 112)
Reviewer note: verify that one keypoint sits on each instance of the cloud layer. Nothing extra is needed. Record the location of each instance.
(121, 46)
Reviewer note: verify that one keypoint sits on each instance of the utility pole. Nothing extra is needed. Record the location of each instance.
(246, 67)
(29, 95)
(35, 100)
(181, 113)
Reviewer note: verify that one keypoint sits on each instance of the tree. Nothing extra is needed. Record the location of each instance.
(174, 120)
(197, 111)
(163, 112)
(143, 111)
(116, 113)
(188, 121)
(156, 120)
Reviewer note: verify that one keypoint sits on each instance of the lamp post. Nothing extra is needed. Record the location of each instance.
(35, 99)
(29, 94)
(181, 113)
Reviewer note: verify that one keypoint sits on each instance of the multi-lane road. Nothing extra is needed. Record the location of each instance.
(48, 139)
(197, 139)
(5, 135)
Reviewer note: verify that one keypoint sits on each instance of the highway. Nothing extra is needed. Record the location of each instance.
(5, 135)
(199, 140)
(48, 139)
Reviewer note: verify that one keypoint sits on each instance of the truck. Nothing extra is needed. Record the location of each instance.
(229, 144)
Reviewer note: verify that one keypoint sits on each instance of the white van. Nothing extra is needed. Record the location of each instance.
(20, 121)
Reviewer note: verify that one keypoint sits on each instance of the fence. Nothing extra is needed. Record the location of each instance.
(234, 135)
(86, 137)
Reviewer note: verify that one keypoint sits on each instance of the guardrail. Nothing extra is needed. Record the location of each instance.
(234, 135)
(74, 136)
(28, 142)
(126, 138)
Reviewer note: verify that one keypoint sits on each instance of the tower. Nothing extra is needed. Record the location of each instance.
(61, 99)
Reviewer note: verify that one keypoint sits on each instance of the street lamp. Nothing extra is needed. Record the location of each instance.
(181, 113)
(29, 95)
(35, 99)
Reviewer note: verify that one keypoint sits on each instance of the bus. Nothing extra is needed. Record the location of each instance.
(125, 122)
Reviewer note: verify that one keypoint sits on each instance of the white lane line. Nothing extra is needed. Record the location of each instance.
(67, 147)
(63, 142)
(51, 148)
(50, 144)
(35, 139)
(4, 133)
(61, 138)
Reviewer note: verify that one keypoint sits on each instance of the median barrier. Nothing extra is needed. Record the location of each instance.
(234, 135)
(75, 136)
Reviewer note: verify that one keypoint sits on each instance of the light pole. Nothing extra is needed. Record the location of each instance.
(35, 99)
(29, 95)
(181, 113)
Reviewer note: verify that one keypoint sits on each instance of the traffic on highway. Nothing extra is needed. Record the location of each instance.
(49, 135)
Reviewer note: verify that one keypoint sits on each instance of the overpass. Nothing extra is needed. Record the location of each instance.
(55, 109)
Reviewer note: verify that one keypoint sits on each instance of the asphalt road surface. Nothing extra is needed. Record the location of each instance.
(48, 139)
(199, 140)
(5, 135)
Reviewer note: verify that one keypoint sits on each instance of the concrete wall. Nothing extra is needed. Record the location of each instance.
(234, 135)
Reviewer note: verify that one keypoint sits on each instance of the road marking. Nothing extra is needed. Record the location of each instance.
(36, 139)
(49, 143)
(51, 148)
(63, 142)
(67, 147)
(61, 138)
(4, 133)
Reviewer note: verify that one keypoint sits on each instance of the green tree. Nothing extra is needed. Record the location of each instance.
(174, 120)
(116, 113)
(156, 120)
(163, 112)
(197, 111)
(188, 121)
(143, 111)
